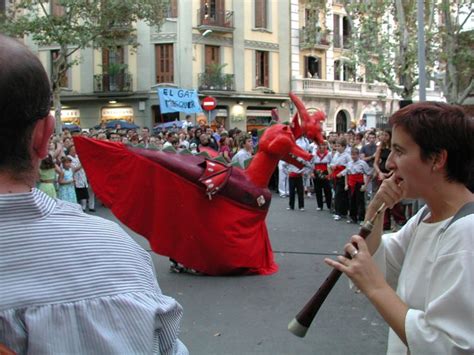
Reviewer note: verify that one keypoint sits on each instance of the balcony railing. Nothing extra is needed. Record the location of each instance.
(217, 19)
(121, 82)
(211, 81)
(328, 87)
(312, 37)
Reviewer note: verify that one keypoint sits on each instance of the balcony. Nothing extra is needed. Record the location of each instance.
(216, 20)
(220, 82)
(117, 83)
(327, 88)
(313, 37)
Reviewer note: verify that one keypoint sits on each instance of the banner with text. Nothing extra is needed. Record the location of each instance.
(178, 100)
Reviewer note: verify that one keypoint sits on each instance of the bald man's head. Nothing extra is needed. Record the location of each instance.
(25, 97)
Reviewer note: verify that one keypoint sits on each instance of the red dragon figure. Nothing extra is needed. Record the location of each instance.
(200, 212)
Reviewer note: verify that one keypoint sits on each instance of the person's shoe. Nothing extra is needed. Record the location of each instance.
(290, 209)
(309, 194)
(91, 209)
(319, 209)
(361, 223)
(301, 209)
(337, 218)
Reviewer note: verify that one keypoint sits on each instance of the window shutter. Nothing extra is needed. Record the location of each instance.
(337, 35)
(258, 61)
(306, 67)
(266, 81)
(173, 8)
(260, 13)
(164, 63)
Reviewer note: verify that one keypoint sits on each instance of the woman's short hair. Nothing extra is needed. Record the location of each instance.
(436, 126)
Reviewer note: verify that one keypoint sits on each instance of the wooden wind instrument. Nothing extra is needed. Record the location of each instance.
(300, 324)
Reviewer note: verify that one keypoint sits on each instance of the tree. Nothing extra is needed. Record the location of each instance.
(73, 25)
(385, 39)
(456, 57)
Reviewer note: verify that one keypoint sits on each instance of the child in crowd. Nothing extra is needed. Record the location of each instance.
(66, 190)
(322, 157)
(295, 183)
(338, 163)
(47, 176)
(357, 176)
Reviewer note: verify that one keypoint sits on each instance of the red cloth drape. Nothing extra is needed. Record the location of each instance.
(216, 237)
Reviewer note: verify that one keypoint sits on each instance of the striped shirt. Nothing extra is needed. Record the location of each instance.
(71, 283)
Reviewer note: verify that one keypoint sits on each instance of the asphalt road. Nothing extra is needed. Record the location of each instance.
(250, 314)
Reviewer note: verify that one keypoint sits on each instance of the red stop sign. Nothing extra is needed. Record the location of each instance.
(209, 103)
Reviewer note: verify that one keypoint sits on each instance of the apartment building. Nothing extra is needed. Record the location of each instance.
(321, 72)
(235, 51)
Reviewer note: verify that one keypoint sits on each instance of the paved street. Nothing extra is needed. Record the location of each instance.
(249, 315)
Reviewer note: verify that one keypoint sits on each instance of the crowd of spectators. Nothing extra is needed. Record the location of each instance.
(347, 170)
(341, 153)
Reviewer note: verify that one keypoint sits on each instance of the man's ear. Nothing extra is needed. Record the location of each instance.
(40, 138)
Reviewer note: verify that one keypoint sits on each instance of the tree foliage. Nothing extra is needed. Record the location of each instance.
(78, 24)
(385, 43)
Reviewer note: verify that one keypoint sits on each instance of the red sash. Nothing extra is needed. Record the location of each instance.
(336, 170)
(321, 167)
(293, 175)
(353, 179)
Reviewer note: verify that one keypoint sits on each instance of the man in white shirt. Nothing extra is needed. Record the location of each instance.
(70, 283)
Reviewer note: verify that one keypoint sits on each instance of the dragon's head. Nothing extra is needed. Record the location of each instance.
(278, 141)
(310, 122)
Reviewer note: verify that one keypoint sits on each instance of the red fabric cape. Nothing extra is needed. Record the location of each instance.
(216, 237)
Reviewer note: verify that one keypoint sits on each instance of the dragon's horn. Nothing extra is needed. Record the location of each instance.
(300, 107)
(296, 127)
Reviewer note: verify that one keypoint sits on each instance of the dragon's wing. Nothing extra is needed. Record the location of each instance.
(218, 236)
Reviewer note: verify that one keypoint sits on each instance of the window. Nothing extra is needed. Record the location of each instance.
(337, 70)
(64, 82)
(260, 13)
(344, 70)
(348, 72)
(212, 58)
(337, 33)
(164, 68)
(56, 9)
(173, 9)
(261, 70)
(346, 32)
(312, 67)
(3, 6)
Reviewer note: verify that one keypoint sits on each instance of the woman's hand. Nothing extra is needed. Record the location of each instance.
(361, 269)
(390, 192)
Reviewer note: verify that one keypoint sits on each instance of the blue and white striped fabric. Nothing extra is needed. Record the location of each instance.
(71, 283)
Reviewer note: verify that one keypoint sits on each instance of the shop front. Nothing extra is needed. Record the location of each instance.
(117, 113)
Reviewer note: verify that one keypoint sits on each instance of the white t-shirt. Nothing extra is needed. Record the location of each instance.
(433, 272)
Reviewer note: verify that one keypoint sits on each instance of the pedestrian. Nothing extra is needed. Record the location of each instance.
(420, 278)
(70, 283)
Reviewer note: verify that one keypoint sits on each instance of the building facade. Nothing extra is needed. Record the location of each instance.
(248, 55)
(236, 51)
